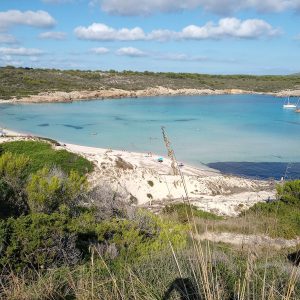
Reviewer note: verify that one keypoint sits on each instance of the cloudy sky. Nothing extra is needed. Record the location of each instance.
(203, 36)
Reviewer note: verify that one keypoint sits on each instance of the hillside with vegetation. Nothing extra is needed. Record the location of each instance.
(22, 82)
(62, 239)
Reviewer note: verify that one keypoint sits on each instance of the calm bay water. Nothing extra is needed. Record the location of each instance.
(202, 129)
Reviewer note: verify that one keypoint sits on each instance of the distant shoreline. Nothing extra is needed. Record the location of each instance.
(52, 97)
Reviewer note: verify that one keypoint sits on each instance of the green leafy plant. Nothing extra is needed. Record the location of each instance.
(289, 192)
(12, 168)
(48, 189)
(184, 212)
(142, 236)
(42, 154)
(12, 181)
(37, 241)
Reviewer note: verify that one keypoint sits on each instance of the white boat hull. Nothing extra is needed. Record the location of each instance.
(289, 106)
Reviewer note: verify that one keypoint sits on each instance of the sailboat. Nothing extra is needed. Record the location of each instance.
(288, 104)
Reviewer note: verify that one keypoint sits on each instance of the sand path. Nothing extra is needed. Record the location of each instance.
(248, 240)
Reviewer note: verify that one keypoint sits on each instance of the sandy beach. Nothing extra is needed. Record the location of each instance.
(61, 96)
(148, 183)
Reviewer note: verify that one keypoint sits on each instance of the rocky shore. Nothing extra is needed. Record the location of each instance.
(150, 92)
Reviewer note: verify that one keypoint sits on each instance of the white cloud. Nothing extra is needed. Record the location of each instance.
(20, 51)
(146, 7)
(102, 32)
(130, 51)
(40, 19)
(100, 50)
(230, 27)
(225, 28)
(7, 39)
(52, 35)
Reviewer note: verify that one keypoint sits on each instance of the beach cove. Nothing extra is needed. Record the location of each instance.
(220, 130)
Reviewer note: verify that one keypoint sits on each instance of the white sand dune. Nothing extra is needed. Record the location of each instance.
(151, 184)
(148, 183)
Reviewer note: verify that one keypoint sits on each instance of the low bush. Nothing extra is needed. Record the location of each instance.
(48, 189)
(184, 212)
(35, 176)
(286, 210)
(12, 182)
(143, 235)
(42, 154)
(37, 241)
(40, 241)
(289, 192)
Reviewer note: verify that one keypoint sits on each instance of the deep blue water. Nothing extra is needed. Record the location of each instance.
(202, 129)
(259, 170)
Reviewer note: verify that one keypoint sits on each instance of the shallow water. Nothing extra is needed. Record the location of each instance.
(202, 129)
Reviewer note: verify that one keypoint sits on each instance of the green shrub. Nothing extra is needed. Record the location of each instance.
(12, 181)
(10, 202)
(45, 191)
(289, 192)
(142, 236)
(41, 240)
(37, 241)
(48, 189)
(13, 168)
(41, 154)
(184, 212)
(150, 182)
(286, 211)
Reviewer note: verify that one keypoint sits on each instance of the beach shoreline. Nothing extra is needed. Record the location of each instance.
(60, 96)
(145, 182)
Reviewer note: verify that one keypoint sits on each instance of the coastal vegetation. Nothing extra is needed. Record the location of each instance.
(22, 82)
(41, 154)
(62, 239)
(276, 219)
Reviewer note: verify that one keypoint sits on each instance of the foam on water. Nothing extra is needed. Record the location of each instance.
(202, 129)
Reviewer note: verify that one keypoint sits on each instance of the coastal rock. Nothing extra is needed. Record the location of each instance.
(59, 96)
(289, 93)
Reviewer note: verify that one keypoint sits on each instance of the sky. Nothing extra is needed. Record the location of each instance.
(197, 36)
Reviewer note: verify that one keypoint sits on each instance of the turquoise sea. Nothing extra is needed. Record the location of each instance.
(202, 129)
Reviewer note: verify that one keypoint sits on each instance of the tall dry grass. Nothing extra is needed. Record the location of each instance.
(207, 273)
